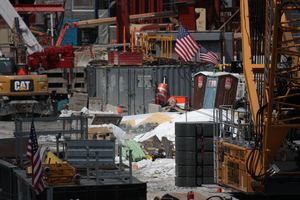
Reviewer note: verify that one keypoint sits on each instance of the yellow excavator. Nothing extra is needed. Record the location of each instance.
(23, 89)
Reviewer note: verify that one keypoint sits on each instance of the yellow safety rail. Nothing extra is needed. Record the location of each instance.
(153, 42)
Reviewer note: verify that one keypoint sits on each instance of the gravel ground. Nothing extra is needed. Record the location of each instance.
(158, 187)
(160, 179)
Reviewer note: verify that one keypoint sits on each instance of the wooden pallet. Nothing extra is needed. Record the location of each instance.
(57, 79)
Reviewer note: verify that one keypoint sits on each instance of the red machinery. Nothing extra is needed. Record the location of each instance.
(53, 57)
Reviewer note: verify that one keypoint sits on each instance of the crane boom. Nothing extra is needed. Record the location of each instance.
(9, 14)
(259, 152)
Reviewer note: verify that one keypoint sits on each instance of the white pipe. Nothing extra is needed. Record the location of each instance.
(52, 34)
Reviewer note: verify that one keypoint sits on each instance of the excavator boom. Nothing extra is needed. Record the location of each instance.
(9, 14)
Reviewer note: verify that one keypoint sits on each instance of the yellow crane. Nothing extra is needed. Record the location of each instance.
(259, 154)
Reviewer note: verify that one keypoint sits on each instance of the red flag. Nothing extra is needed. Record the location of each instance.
(33, 153)
(209, 56)
(186, 47)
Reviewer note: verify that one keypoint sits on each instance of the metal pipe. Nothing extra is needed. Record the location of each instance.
(124, 38)
(58, 136)
(97, 167)
(51, 28)
(130, 166)
(88, 163)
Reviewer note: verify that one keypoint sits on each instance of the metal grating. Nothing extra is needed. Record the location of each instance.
(82, 153)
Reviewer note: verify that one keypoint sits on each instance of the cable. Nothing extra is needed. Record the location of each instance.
(256, 153)
(216, 196)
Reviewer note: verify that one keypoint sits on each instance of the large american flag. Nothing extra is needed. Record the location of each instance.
(186, 47)
(209, 56)
(33, 153)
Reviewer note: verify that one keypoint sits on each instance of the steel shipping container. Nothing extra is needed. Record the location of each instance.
(134, 87)
(213, 89)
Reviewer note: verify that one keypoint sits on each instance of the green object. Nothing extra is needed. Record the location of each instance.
(215, 70)
(60, 104)
(137, 152)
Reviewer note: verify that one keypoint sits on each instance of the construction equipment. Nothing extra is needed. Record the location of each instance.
(257, 149)
(57, 172)
(23, 89)
(42, 37)
(111, 20)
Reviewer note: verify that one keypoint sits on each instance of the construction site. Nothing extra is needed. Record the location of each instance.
(94, 92)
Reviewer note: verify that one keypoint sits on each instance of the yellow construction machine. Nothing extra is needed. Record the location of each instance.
(257, 150)
(23, 89)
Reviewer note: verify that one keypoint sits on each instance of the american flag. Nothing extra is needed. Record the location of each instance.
(186, 47)
(209, 56)
(33, 153)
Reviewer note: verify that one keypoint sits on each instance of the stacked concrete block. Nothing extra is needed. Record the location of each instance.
(194, 153)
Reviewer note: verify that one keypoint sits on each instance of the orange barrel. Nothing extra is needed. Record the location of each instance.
(162, 93)
(120, 110)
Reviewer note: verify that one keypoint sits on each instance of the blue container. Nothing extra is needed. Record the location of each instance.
(73, 36)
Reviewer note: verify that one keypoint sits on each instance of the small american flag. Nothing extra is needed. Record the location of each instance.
(186, 47)
(33, 153)
(209, 56)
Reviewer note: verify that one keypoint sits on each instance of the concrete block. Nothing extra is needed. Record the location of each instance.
(153, 108)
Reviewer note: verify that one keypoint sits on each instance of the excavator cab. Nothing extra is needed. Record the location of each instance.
(7, 66)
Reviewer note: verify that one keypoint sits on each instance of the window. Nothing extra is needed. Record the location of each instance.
(86, 4)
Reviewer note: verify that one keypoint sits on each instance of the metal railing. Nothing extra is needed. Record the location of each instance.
(49, 130)
(234, 126)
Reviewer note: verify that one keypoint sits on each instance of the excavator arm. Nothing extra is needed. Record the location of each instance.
(9, 14)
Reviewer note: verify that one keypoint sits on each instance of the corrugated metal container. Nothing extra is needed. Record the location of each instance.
(214, 89)
(134, 87)
(126, 58)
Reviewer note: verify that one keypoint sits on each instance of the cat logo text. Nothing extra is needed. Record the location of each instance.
(22, 85)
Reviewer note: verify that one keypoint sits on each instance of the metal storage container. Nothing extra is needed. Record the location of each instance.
(213, 89)
(134, 87)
